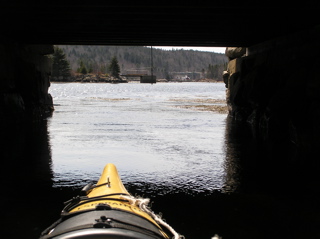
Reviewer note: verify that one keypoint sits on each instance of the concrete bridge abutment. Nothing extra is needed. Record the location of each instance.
(24, 81)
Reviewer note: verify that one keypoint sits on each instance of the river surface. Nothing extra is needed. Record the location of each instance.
(144, 130)
(171, 142)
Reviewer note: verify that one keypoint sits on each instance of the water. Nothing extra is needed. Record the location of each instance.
(202, 170)
(144, 130)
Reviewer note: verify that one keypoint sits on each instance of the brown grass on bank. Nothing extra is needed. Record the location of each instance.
(213, 105)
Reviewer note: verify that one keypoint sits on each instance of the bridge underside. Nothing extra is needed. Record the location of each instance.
(275, 87)
(172, 23)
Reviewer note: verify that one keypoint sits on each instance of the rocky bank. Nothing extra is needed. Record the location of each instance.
(274, 88)
(24, 81)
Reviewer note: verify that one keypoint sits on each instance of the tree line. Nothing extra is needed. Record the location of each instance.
(61, 70)
(97, 60)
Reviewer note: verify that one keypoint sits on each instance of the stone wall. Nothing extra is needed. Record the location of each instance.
(24, 81)
(274, 87)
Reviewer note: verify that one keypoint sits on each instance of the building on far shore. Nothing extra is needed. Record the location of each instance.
(186, 76)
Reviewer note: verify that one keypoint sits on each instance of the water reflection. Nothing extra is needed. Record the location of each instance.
(26, 153)
(26, 177)
(232, 148)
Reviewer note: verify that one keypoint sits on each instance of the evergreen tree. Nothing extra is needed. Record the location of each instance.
(82, 68)
(114, 68)
(60, 65)
(90, 70)
(214, 71)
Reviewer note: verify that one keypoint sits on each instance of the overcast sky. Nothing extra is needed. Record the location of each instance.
(211, 49)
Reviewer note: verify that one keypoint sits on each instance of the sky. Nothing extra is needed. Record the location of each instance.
(210, 49)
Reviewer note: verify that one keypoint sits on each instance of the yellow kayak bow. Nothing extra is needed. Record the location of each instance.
(107, 210)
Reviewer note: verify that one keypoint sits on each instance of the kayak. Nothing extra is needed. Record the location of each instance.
(108, 210)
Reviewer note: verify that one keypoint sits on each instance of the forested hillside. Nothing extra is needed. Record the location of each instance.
(138, 59)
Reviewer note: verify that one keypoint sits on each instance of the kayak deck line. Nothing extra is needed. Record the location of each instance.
(109, 190)
(110, 206)
(143, 204)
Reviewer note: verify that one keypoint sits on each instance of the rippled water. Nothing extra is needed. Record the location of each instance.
(201, 169)
(144, 130)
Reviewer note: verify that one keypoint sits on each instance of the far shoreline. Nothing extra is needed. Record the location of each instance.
(103, 78)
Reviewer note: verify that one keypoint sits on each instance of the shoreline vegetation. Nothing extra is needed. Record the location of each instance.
(103, 78)
(87, 64)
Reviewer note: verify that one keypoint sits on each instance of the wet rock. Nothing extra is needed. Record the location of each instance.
(24, 80)
(13, 103)
(275, 89)
(235, 52)
(225, 76)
